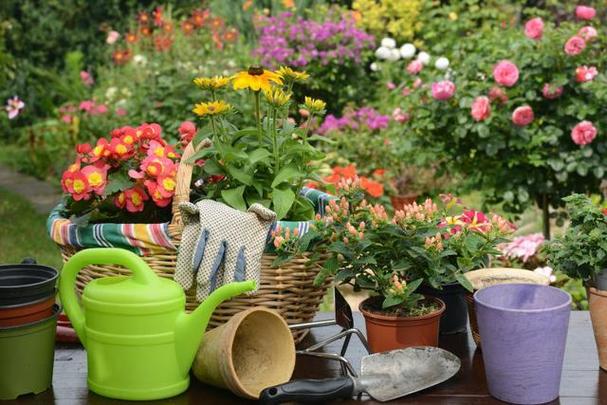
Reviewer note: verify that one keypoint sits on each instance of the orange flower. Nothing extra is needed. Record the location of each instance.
(143, 18)
(96, 177)
(373, 188)
(379, 172)
(199, 17)
(163, 43)
(121, 57)
(135, 199)
(247, 5)
(230, 35)
(119, 149)
(131, 37)
(154, 191)
(145, 31)
(187, 27)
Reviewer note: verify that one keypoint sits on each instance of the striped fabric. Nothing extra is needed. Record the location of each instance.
(145, 239)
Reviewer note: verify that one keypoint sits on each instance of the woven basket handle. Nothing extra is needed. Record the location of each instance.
(183, 180)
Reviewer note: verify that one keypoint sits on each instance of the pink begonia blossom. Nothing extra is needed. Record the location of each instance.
(414, 67)
(399, 115)
(86, 78)
(112, 37)
(505, 73)
(481, 108)
(547, 272)
(14, 106)
(585, 12)
(498, 94)
(583, 133)
(443, 90)
(522, 116)
(522, 247)
(588, 33)
(534, 28)
(575, 45)
(585, 73)
(551, 92)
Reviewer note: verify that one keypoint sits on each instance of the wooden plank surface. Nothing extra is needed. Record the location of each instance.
(582, 382)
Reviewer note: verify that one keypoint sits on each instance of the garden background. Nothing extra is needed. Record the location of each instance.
(403, 80)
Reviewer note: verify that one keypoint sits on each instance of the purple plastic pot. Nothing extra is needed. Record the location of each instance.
(524, 329)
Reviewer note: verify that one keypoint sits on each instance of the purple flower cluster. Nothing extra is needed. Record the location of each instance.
(295, 41)
(354, 119)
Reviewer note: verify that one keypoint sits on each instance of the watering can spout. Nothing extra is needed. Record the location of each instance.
(190, 328)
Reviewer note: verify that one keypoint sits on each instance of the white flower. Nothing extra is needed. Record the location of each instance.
(140, 60)
(442, 63)
(126, 92)
(388, 43)
(231, 63)
(394, 55)
(374, 67)
(383, 53)
(110, 93)
(112, 37)
(423, 57)
(121, 103)
(546, 271)
(407, 51)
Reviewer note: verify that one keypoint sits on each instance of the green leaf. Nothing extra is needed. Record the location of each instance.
(258, 154)
(461, 278)
(413, 285)
(240, 175)
(116, 182)
(282, 200)
(391, 302)
(233, 197)
(287, 173)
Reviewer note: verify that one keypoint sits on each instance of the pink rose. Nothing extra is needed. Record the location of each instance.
(505, 73)
(405, 91)
(87, 105)
(575, 45)
(583, 133)
(498, 94)
(443, 90)
(588, 33)
(414, 67)
(550, 92)
(522, 116)
(99, 109)
(112, 37)
(390, 85)
(400, 116)
(86, 78)
(585, 73)
(481, 108)
(66, 118)
(534, 28)
(585, 12)
(417, 83)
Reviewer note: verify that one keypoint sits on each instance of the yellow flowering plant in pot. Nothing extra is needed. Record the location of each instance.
(268, 163)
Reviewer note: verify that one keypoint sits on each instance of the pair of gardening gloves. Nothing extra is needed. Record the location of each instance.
(220, 245)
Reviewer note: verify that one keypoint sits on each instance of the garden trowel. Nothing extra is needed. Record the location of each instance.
(384, 376)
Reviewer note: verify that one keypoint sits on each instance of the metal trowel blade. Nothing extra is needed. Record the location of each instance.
(409, 370)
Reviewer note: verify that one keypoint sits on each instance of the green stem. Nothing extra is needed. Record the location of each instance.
(258, 116)
(214, 128)
(307, 129)
(213, 96)
(275, 142)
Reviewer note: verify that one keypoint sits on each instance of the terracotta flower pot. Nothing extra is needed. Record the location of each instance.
(597, 301)
(386, 332)
(399, 201)
(15, 315)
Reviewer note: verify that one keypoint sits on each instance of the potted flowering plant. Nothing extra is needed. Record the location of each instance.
(581, 253)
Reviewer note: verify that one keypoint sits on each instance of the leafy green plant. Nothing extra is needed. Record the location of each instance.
(581, 252)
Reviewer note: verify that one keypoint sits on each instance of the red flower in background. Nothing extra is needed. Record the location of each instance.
(143, 18)
(163, 42)
(199, 17)
(157, 13)
(121, 57)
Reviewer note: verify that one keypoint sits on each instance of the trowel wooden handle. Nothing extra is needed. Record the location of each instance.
(308, 391)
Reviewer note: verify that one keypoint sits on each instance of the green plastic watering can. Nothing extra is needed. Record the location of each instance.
(140, 342)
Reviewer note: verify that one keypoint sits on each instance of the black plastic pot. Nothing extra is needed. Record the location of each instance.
(455, 317)
(26, 282)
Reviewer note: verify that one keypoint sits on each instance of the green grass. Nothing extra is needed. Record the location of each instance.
(23, 233)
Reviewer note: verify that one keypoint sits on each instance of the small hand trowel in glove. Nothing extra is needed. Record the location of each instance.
(384, 376)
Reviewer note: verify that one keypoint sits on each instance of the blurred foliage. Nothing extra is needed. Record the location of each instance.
(399, 19)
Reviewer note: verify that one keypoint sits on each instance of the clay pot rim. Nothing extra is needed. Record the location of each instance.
(432, 314)
(477, 301)
(596, 291)
(528, 276)
(30, 303)
(408, 195)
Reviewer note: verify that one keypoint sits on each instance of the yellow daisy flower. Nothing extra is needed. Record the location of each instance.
(211, 83)
(256, 79)
(314, 105)
(277, 97)
(291, 75)
(211, 108)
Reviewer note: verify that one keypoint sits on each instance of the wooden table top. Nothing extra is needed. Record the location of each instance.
(582, 381)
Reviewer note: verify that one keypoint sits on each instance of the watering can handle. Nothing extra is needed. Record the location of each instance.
(141, 274)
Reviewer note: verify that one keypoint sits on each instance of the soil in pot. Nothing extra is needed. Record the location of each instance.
(399, 201)
(389, 331)
(455, 318)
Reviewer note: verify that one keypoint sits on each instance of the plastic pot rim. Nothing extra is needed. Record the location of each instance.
(432, 314)
(56, 310)
(478, 301)
(29, 302)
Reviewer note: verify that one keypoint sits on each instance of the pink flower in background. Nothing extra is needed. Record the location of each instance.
(121, 112)
(498, 94)
(481, 108)
(414, 67)
(505, 73)
(86, 105)
(585, 12)
(551, 92)
(99, 109)
(417, 83)
(583, 133)
(112, 37)
(547, 272)
(14, 106)
(534, 28)
(86, 78)
(588, 33)
(585, 73)
(399, 115)
(390, 85)
(522, 247)
(522, 116)
(406, 91)
(575, 45)
(67, 118)
(443, 90)
(187, 131)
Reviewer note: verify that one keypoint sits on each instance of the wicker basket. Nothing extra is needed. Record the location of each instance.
(288, 289)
